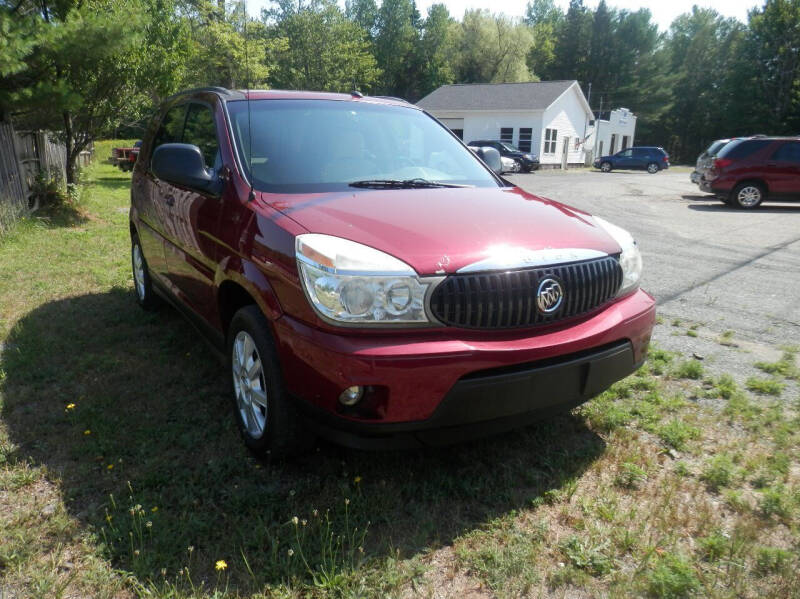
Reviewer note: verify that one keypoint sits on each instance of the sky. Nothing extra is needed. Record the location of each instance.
(663, 11)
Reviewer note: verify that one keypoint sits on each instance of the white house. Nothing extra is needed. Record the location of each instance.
(550, 119)
(614, 133)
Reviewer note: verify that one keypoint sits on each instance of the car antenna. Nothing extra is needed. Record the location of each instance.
(252, 195)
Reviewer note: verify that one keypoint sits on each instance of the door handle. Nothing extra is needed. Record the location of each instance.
(170, 200)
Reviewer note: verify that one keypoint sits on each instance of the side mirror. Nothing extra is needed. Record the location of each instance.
(491, 157)
(183, 165)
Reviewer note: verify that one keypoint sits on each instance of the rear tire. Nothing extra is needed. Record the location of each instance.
(142, 284)
(265, 414)
(606, 167)
(748, 195)
(652, 168)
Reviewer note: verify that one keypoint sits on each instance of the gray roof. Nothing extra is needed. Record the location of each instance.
(495, 96)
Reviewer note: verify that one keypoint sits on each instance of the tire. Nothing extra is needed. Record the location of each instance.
(265, 415)
(142, 284)
(652, 168)
(606, 167)
(526, 169)
(747, 195)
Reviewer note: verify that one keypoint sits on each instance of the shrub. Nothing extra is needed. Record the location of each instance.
(672, 577)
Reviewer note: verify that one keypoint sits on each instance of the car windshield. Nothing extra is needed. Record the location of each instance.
(509, 147)
(306, 146)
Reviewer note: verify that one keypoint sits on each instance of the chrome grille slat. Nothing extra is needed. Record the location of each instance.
(502, 300)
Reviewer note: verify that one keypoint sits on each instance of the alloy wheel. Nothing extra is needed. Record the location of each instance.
(138, 271)
(249, 384)
(749, 196)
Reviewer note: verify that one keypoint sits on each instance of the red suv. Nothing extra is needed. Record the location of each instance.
(748, 171)
(367, 278)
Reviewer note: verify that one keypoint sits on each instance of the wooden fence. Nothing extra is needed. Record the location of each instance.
(24, 157)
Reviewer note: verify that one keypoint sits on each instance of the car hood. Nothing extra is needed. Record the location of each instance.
(441, 230)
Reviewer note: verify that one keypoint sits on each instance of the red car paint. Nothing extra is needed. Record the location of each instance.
(211, 254)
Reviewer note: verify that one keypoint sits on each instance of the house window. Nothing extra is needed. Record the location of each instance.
(625, 139)
(507, 135)
(459, 133)
(525, 134)
(577, 143)
(613, 143)
(550, 138)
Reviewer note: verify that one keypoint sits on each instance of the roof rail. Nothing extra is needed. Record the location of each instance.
(211, 88)
(396, 99)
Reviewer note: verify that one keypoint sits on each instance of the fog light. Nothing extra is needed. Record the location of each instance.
(352, 395)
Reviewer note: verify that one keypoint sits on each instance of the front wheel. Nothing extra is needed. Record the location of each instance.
(652, 168)
(266, 417)
(142, 284)
(747, 195)
(606, 167)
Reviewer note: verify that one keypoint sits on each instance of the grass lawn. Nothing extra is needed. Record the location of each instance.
(122, 475)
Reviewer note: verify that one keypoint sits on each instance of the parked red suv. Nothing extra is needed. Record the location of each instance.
(367, 278)
(748, 171)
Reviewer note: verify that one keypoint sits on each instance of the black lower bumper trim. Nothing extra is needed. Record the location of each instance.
(489, 402)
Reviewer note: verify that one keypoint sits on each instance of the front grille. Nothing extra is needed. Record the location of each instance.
(501, 300)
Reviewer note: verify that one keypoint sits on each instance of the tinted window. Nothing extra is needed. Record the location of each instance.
(788, 152)
(641, 153)
(743, 148)
(625, 153)
(303, 146)
(715, 147)
(201, 132)
(171, 129)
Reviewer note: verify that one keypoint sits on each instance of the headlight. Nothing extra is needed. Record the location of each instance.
(630, 259)
(347, 282)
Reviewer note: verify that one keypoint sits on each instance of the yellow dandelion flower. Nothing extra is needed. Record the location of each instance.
(154, 509)
(87, 432)
(220, 565)
(110, 467)
(357, 479)
(70, 406)
(108, 518)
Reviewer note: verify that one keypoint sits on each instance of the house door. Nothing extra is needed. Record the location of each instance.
(565, 153)
(625, 139)
(613, 143)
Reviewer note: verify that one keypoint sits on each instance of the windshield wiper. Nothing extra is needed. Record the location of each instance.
(417, 183)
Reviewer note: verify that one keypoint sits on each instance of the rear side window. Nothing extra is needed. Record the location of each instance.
(736, 150)
(640, 153)
(200, 131)
(715, 147)
(171, 129)
(788, 152)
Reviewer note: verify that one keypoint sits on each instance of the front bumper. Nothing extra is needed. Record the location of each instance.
(440, 386)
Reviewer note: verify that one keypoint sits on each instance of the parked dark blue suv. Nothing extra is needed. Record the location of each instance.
(648, 158)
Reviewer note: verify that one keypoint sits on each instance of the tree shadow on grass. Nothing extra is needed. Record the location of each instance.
(61, 214)
(151, 439)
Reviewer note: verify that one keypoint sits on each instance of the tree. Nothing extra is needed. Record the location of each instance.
(573, 45)
(396, 43)
(79, 72)
(774, 43)
(493, 49)
(544, 19)
(323, 51)
(438, 49)
(364, 13)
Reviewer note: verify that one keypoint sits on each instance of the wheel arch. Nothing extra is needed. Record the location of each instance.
(752, 180)
(239, 288)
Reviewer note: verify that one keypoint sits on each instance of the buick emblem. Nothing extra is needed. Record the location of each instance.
(549, 296)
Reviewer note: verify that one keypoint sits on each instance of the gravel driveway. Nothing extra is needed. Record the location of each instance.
(706, 264)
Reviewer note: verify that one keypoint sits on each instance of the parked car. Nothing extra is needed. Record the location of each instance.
(748, 171)
(366, 278)
(706, 159)
(649, 158)
(527, 161)
(507, 165)
(125, 158)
